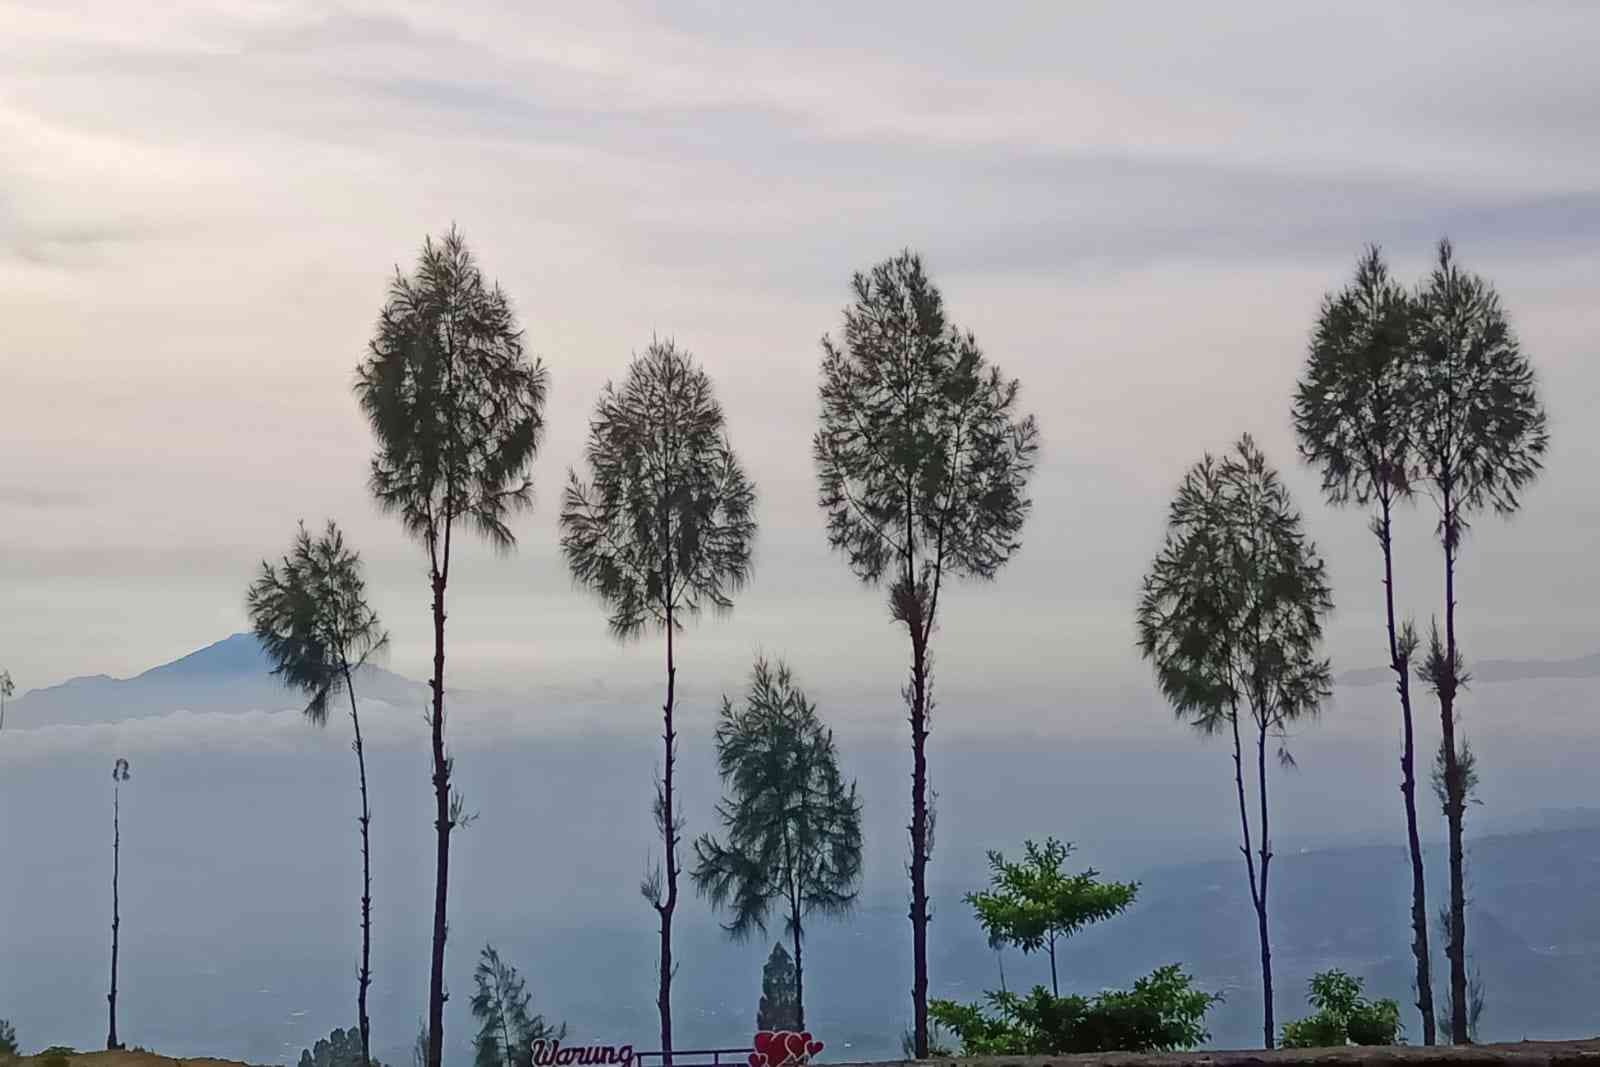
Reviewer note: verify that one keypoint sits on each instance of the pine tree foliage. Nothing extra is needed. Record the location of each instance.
(663, 528)
(1231, 615)
(310, 614)
(923, 461)
(458, 413)
(779, 1007)
(791, 826)
(507, 1024)
(1481, 435)
(1354, 415)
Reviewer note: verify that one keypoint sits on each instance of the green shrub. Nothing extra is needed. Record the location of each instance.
(1161, 1013)
(1343, 1016)
(51, 1059)
(8, 1039)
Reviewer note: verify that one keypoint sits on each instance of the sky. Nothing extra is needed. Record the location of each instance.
(1137, 212)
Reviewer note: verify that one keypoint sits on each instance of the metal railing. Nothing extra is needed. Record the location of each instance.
(695, 1057)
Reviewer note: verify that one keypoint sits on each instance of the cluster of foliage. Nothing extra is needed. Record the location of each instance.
(457, 409)
(923, 461)
(310, 614)
(341, 1048)
(1033, 903)
(779, 1007)
(507, 1024)
(1353, 421)
(793, 827)
(1161, 1013)
(1426, 391)
(1343, 1016)
(663, 528)
(1230, 616)
(8, 1038)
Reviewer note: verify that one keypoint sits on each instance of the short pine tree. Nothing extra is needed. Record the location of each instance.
(779, 1008)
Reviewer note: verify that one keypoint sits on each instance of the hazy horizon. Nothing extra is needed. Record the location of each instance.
(196, 241)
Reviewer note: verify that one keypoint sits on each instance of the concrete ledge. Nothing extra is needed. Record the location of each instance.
(1520, 1054)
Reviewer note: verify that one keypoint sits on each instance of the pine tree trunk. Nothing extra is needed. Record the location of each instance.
(1244, 829)
(1055, 986)
(1268, 1025)
(364, 980)
(1455, 801)
(441, 797)
(919, 837)
(1408, 789)
(116, 915)
(799, 977)
(669, 836)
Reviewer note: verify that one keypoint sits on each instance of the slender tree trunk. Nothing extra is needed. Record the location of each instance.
(1244, 827)
(1408, 789)
(669, 833)
(505, 1025)
(1268, 1026)
(116, 916)
(919, 837)
(442, 824)
(799, 977)
(1000, 961)
(1455, 802)
(364, 980)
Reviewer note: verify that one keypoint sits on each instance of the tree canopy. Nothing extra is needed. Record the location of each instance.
(666, 522)
(311, 615)
(1032, 903)
(507, 1024)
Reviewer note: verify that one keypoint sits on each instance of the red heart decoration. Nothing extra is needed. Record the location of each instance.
(758, 1059)
(764, 1042)
(795, 1045)
(813, 1047)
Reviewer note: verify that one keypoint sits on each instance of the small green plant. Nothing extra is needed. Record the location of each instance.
(1161, 1013)
(1343, 1016)
(1033, 903)
(8, 1039)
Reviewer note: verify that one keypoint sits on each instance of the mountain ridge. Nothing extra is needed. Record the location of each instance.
(1492, 670)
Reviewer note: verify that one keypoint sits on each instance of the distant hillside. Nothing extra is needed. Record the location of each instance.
(1493, 670)
(232, 675)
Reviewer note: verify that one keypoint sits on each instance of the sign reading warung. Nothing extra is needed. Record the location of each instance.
(772, 1048)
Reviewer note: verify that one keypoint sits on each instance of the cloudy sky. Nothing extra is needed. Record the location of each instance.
(1137, 212)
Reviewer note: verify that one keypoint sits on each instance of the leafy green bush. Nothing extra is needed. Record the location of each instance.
(1161, 1013)
(1343, 1016)
(8, 1039)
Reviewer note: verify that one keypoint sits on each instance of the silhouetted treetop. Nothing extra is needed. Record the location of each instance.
(457, 409)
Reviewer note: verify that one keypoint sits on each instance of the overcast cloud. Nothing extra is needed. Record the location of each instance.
(1136, 211)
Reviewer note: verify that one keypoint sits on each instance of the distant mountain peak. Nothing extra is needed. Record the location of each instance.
(230, 675)
(237, 654)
